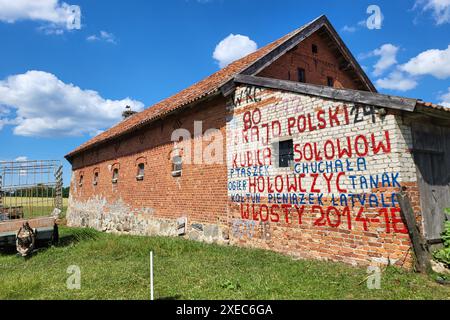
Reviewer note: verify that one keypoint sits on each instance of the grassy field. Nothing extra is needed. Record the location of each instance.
(114, 267)
(33, 206)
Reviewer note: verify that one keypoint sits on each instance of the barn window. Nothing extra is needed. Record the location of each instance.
(285, 153)
(80, 183)
(115, 177)
(301, 75)
(330, 81)
(315, 49)
(140, 172)
(177, 166)
(95, 182)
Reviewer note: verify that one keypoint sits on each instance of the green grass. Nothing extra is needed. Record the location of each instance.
(36, 201)
(117, 267)
(34, 206)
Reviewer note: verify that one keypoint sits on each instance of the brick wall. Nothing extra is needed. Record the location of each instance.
(318, 67)
(330, 203)
(245, 199)
(341, 210)
(151, 206)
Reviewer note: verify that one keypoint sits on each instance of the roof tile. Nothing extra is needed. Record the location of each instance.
(197, 91)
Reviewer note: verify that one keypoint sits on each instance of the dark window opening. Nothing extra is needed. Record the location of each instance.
(140, 172)
(315, 49)
(301, 75)
(177, 166)
(80, 183)
(115, 177)
(95, 179)
(286, 153)
(330, 81)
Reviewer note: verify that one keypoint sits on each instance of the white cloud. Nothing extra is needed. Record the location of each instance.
(349, 29)
(362, 23)
(397, 80)
(21, 158)
(433, 62)
(405, 77)
(45, 106)
(3, 111)
(440, 9)
(3, 123)
(59, 16)
(50, 29)
(445, 99)
(388, 57)
(103, 36)
(233, 48)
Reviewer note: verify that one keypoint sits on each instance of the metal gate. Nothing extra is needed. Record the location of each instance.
(30, 189)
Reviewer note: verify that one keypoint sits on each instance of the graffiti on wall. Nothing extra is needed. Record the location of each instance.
(338, 175)
(242, 228)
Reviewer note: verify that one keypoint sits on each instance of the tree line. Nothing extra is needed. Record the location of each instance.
(38, 191)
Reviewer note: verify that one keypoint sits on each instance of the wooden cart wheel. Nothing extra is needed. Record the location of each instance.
(25, 240)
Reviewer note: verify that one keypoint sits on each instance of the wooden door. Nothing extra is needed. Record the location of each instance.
(432, 159)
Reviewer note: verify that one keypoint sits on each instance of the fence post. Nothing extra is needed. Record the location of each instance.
(58, 189)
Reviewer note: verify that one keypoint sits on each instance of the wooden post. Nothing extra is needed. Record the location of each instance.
(423, 257)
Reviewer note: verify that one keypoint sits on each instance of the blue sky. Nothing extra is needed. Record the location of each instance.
(68, 69)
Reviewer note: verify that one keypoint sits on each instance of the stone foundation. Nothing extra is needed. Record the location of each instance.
(119, 218)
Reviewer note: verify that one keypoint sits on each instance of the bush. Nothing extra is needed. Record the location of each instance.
(444, 254)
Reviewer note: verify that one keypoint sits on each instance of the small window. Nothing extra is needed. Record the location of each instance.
(315, 49)
(95, 182)
(177, 166)
(115, 177)
(301, 75)
(140, 172)
(80, 183)
(285, 153)
(330, 81)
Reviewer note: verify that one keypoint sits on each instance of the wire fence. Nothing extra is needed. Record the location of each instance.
(30, 189)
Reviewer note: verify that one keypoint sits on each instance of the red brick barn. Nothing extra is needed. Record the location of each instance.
(290, 148)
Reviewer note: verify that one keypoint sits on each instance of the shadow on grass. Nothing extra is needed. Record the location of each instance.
(76, 236)
(177, 297)
(10, 250)
(66, 240)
